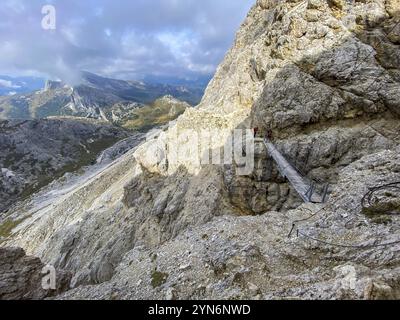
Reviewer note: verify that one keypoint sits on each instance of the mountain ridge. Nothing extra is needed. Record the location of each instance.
(92, 98)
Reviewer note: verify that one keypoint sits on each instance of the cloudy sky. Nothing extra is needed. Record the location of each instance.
(128, 39)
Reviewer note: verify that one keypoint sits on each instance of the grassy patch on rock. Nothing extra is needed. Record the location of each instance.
(7, 226)
(158, 278)
(159, 113)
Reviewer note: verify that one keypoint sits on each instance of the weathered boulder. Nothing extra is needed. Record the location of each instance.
(21, 277)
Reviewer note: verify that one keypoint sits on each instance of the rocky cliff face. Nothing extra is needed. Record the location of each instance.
(21, 277)
(324, 76)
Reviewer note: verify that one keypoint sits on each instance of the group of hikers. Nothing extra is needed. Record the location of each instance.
(268, 133)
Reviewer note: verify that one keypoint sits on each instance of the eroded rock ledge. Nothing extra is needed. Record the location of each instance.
(21, 277)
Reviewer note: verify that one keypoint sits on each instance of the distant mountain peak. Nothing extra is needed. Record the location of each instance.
(53, 84)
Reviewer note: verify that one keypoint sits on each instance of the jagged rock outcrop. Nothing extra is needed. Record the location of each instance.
(21, 277)
(323, 75)
(329, 96)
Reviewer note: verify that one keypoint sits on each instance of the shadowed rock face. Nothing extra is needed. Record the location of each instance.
(311, 71)
(21, 277)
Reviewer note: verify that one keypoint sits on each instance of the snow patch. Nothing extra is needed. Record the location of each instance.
(7, 173)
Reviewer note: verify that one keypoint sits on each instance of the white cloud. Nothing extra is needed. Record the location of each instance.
(182, 38)
(14, 5)
(8, 84)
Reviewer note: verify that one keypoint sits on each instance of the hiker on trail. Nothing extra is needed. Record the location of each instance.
(268, 134)
(255, 132)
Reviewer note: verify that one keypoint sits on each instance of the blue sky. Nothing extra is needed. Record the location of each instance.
(128, 39)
